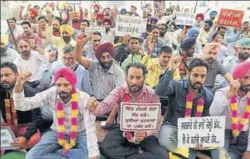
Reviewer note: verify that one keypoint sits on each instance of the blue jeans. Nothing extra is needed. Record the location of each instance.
(48, 147)
(236, 150)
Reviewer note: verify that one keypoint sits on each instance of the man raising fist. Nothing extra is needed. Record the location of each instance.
(178, 93)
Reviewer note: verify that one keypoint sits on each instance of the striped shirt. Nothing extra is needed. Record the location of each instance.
(102, 82)
(50, 98)
(116, 97)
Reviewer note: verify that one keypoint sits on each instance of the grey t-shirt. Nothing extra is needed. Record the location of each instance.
(215, 69)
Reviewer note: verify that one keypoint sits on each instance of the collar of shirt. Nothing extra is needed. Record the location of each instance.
(111, 70)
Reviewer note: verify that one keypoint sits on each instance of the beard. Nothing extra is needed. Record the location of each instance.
(64, 95)
(106, 65)
(195, 86)
(56, 29)
(25, 54)
(189, 53)
(3, 51)
(135, 88)
(7, 85)
(162, 34)
(210, 61)
(245, 88)
(243, 56)
(66, 38)
(75, 20)
(212, 18)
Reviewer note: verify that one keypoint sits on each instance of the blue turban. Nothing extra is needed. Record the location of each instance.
(188, 43)
(193, 31)
(153, 20)
(212, 13)
(244, 42)
(123, 11)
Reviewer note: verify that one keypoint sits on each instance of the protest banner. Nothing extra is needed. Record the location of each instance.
(207, 131)
(7, 137)
(187, 19)
(132, 25)
(231, 18)
(140, 116)
(94, 29)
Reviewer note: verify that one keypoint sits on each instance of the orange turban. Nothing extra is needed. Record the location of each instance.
(33, 12)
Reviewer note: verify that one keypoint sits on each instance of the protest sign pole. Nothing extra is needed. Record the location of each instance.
(195, 6)
(12, 35)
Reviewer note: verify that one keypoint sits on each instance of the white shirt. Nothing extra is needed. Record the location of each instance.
(17, 31)
(49, 97)
(110, 36)
(33, 64)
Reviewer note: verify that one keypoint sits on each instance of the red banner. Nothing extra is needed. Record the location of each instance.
(231, 18)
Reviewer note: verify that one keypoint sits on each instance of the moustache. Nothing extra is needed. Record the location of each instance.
(26, 52)
(134, 88)
(6, 85)
(63, 95)
(106, 64)
(245, 88)
(197, 85)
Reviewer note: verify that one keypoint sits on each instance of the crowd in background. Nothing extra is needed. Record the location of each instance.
(57, 79)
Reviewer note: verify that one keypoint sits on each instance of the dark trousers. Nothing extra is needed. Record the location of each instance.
(237, 149)
(115, 146)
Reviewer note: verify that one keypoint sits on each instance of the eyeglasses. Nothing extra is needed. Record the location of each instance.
(96, 40)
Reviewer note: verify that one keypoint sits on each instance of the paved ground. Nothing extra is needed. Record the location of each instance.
(100, 131)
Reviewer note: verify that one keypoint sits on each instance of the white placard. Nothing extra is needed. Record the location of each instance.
(185, 19)
(207, 131)
(7, 137)
(94, 29)
(132, 25)
(139, 116)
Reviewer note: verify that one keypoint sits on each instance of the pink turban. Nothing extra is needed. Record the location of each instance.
(211, 46)
(199, 15)
(106, 47)
(241, 69)
(107, 20)
(68, 74)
